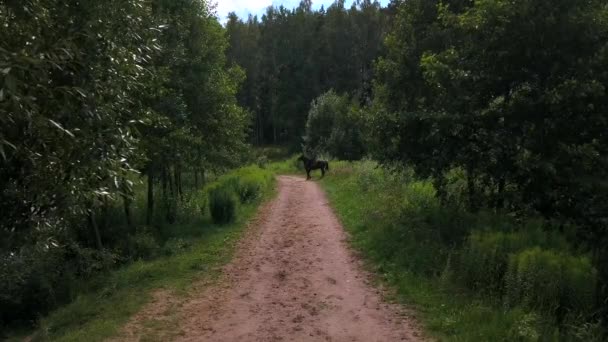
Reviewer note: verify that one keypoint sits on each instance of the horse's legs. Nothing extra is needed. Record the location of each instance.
(322, 172)
(308, 174)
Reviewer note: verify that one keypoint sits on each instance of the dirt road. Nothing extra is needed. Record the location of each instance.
(294, 279)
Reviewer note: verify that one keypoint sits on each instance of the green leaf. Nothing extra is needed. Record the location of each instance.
(62, 129)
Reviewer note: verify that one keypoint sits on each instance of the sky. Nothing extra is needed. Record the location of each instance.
(257, 7)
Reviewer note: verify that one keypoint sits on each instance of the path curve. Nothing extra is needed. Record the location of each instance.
(294, 279)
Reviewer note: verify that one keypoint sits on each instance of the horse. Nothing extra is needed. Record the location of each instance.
(313, 164)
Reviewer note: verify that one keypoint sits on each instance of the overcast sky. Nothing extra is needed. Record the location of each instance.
(244, 7)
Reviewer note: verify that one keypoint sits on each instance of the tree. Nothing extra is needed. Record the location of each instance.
(334, 126)
(513, 92)
(291, 57)
(90, 93)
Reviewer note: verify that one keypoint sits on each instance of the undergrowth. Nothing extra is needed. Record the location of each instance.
(472, 277)
(170, 257)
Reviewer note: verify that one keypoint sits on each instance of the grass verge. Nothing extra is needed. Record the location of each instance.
(396, 223)
(106, 303)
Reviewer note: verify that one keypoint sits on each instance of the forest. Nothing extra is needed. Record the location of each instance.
(476, 128)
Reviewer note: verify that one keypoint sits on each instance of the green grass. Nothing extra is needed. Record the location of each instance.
(104, 304)
(286, 167)
(389, 217)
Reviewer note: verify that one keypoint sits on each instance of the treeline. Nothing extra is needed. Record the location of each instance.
(509, 95)
(514, 94)
(292, 56)
(96, 97)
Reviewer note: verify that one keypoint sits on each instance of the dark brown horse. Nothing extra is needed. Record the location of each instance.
(313, 164)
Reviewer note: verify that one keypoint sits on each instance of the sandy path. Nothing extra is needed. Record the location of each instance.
(293, 279)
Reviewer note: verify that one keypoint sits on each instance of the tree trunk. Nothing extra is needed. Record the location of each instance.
(471, 191)
(170, 181)
(164, 182)
(150, 198)
(126, 201)
(178, 185)
(439, 181)
(501, 193)
(104, 214)
(93, 223)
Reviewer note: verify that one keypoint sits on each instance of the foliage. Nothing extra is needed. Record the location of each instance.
(551, 282)
(472, 276)
(171, 259)
(291, 56)
(244, 185)
(334, 126)
(222, 204)
(510, 94)
(91, 95)
(485, 259)
(143, 245)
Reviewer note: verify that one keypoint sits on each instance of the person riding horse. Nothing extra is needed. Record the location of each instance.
(313, 164)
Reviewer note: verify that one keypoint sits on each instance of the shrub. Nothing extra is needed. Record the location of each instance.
(175, 245)
(335, 126)
(369, 175)
(321, 118)
(143, 245)
(202, 202)
(249, 188)
(248, 183)
(485, 258)
(556, 283)
(407, 237)
(191, 206)
(29, 281)
(289, 166)
(222, 204)
(346, 139)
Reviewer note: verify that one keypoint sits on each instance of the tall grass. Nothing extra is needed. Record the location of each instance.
(473, 277)
(170, 257)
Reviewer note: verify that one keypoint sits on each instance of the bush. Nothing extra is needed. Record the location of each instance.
(289, 166)
(346, 139)
(202, 202)
(336, 127)
(249, 189)
(243, 185)
(369, 175)
(191, 207)
(222, 204)
(484, 260)
(552, 282)
(405, 233)
(247, 183)
(175, 246)
(399, 221)
(38, 277)
(143, 245)
(28, 280)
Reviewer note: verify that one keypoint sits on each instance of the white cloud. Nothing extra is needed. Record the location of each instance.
(241, 7)
(257, 7)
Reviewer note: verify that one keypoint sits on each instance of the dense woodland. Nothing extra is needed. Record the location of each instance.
(291, 56)
(112, 112)
(509, 96)
(97, 97)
